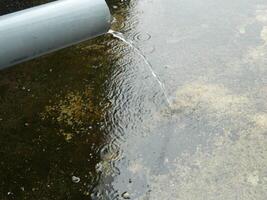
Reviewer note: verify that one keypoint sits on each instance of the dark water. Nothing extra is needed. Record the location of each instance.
(91, 122)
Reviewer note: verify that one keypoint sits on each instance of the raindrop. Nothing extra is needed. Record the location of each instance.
(141, 37)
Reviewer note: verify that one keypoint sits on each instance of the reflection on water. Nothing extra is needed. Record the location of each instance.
(90, 122)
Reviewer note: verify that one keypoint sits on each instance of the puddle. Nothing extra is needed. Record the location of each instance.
(92, 122)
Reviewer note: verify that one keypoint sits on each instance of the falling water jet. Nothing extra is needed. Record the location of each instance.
(121, 37)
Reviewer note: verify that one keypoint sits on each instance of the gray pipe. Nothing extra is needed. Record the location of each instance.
(33, 32)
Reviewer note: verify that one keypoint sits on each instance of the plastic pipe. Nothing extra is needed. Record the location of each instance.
(33, 32)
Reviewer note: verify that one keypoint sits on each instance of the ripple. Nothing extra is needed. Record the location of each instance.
(140, 37)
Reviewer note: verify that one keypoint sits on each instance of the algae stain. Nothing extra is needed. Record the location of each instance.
(75, 113)
(232, 169)
(214, 100)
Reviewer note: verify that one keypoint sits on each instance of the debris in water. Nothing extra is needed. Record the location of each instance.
(126, 195)
(67, 136)
(75, 179)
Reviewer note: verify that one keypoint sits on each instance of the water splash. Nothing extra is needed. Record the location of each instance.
(121, 37)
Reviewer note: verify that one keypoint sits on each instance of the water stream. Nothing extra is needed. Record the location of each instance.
(122, 38)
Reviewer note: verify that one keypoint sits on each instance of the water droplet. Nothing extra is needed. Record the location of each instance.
(75, 179)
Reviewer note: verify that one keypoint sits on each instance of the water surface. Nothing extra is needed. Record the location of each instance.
(91, 122)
